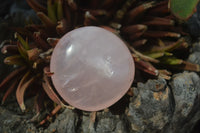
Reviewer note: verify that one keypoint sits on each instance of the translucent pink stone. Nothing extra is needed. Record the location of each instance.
(92, 68)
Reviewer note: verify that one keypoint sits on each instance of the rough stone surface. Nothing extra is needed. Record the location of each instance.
(10, 122)
(151, 110)
(105, 122)
(66, 122)
(186, 91)
(194, 57)
(196, 46)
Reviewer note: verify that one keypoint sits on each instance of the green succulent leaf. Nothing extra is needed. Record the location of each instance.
(183, 9)
(59, 10)
(22, 41)
(45, 20)
(14, 60)
(171, 61)
(22, 51)
(159, 54)
(156, 55)
(51, 8)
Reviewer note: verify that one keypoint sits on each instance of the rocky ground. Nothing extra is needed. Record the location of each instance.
(158, 106)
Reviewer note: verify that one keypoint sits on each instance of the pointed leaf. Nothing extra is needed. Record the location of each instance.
(160, 8)
(9, 91)
(36, 6)
(19, 96)
(160, 34)
(22, 41)
(171, 61)
(139, 43)
(60, 10)
(168, 48)
(142, 56)
(134, 28)
(156, 55)
(159, 54)
(51, 10)
(22, 51)
(139, 10)
(14, 60)
(50, 92)
(175, 45)
(45, 20)
(11, 49)
(190, 66)
(145, 67)
(158, 21)
(12, 75)
(23, 85)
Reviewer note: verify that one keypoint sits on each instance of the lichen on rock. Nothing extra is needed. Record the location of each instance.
(152, 109)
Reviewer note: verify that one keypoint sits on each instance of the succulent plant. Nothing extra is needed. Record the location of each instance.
(150, 31)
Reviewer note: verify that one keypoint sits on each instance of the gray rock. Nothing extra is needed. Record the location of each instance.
(106, 122)
(10, 122)
(66, 122)
(196, 47)
(151, 110)
(186, 91)
(194, 58)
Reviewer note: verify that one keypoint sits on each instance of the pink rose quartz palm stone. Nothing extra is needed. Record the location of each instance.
(92, 68)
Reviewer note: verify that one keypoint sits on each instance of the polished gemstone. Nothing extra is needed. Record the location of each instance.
(92, 68)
